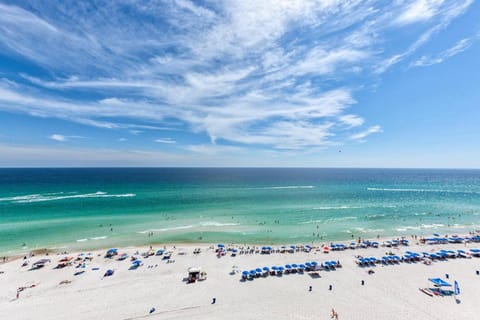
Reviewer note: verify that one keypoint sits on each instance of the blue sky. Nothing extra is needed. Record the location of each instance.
(240, 83)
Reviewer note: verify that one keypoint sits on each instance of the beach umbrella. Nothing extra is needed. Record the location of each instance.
(253, 272)
(439, 282)
(258, 270)
(220, 245)
(275, 268)
(457, 288)
(281, 269)
(308, 264)
(245, 273)
(266, 269)
(41, 262)
(108, 273)
(314, 263)
(294, 265)
(287, 266)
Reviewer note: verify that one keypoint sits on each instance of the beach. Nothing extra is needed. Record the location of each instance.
(391, 292)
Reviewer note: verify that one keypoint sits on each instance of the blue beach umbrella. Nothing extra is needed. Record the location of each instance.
(220, 245)
(245, 273)
(314, 263)
(274, 268)
(266, 269)
(439, 282)
(258, 270)
(294, 265)
(457, 288)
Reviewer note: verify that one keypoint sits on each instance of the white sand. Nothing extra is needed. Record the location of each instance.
(391, 293)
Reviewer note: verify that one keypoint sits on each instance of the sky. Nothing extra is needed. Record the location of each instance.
(240, 83)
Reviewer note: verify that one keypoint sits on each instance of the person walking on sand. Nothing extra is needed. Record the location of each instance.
(334, 314)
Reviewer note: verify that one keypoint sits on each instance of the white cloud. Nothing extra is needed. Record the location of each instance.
(450, 11)
(351, 120)
(63, 138)
(363, 134)
(58, 137)
(419, 10)
(166, 140)
(459, 47)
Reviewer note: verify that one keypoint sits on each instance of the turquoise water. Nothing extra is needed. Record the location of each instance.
(92, 208)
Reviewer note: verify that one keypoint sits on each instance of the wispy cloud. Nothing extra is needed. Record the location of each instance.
(58, 137)
(269, 74)
(62, 138)
(166, 140)
(459, 47)
(363, 134)
(419, 10)
(424, 10)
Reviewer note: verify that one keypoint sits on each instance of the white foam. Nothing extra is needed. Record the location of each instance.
(217, 224)
(328, 220)
(373, 216)
(337, 208)
(167, 229)
(364, 230)
(405, 228)
(99, 238)
(82, 240)
(432, 226)
(420, 190)
(56, 196)
(288, 187)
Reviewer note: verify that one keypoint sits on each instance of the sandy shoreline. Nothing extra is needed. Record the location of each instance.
(392, 292)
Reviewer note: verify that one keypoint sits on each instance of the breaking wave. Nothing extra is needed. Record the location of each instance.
(62, 196)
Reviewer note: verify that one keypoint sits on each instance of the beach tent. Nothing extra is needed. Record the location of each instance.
(195, 273)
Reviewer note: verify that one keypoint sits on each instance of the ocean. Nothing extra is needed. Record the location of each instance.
(88, 208)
